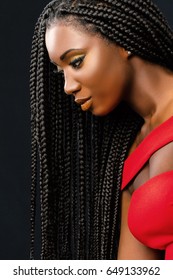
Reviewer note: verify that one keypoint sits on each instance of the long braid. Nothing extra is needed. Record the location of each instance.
(67, 175)
(98, 188)
(106, 201)
(81, 156)
(74, 185)
(59, 132)
(88, 182)
(106, 192)
(53, 155)
(81, 153)
(42, 145)
(110, 194)
(33, 138)
(95, 168)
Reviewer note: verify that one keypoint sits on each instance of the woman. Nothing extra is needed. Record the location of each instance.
(114, 61)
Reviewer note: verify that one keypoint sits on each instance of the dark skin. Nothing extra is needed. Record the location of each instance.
(156, 106)
(98, 74)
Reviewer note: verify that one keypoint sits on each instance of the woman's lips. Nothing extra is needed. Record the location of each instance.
(85, 103)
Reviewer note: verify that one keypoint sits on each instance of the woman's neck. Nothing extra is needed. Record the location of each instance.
(151, 94)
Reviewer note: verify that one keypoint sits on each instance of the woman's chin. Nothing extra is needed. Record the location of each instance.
(102, 111)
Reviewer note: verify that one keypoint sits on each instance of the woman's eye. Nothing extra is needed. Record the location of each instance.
(76, 63)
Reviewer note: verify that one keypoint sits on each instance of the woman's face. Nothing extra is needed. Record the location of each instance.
(95, 72)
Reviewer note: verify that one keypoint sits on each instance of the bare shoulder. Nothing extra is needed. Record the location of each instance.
(161, 161)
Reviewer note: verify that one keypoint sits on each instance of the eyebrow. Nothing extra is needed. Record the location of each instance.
(62, 57)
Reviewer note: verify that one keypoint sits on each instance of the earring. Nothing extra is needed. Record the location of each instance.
(129, 53)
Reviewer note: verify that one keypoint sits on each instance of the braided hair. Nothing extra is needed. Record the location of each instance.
(79, 157)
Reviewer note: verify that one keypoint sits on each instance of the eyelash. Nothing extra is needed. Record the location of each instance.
(76, 63)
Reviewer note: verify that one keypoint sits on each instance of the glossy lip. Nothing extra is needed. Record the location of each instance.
(81, 101)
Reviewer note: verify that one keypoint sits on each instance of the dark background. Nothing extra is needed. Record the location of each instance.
(17, 20)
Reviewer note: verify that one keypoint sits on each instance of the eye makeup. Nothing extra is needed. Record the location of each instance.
(76, 62)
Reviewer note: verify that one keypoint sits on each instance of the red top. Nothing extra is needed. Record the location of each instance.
(150, 216)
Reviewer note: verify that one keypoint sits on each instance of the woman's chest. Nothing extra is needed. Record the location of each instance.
(161, 161)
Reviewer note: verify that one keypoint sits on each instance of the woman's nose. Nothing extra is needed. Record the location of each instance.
(71, 85)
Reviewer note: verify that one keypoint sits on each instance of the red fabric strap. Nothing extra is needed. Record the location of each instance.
(159, 137)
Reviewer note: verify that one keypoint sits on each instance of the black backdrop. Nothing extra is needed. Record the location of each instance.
(17, 19)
